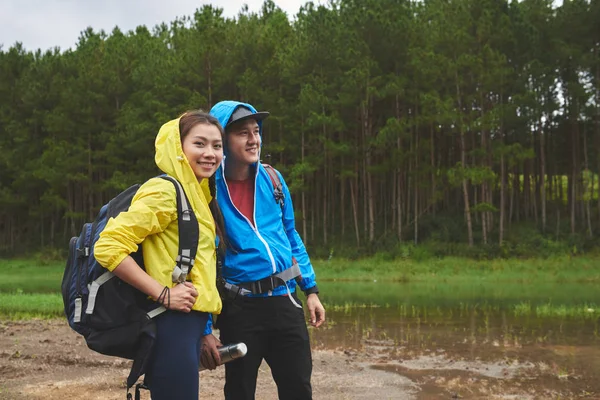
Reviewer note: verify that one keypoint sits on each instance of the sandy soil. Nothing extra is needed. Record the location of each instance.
(46, 360)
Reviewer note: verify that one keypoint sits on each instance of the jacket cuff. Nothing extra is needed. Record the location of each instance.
(208, 327)
(311, 290)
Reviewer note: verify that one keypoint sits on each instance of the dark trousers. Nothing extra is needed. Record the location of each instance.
(173, 369)
(275, 330)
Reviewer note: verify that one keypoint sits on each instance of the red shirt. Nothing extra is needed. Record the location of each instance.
(242, 195)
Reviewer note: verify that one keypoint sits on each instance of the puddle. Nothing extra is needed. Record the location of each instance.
(522, 347)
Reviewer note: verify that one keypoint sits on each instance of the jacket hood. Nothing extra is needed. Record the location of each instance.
(223, 110)
(172, 161)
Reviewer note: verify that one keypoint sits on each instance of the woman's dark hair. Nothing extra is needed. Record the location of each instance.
(187, 121)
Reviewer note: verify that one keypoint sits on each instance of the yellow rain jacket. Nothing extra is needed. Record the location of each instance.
(152, 219)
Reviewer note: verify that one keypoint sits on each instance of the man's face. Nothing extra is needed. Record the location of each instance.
(243, 142)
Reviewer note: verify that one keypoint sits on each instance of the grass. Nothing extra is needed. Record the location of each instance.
(549, 310)
(16, 306)
(30, 289)
(30, 276)
(535, 286)
(457, 269)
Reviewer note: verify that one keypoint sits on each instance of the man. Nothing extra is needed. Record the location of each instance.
(265, 261)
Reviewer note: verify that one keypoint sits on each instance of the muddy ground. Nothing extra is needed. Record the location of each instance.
(46, 360)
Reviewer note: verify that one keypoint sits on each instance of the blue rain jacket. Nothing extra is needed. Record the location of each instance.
(268, 248)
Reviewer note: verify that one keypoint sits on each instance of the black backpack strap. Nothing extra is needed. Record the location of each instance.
(138, 395)
(277, 187)
(188, 233)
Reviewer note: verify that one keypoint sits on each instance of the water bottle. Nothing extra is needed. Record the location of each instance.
(231, 352)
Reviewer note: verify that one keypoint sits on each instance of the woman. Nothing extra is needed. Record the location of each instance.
(189, 149)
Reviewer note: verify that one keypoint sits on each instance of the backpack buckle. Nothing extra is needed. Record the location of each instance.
(184, 261)
(178, 276)
(82, 252)
(279, 196)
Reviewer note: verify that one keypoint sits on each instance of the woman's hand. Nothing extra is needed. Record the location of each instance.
(182, 297)
(179, 298)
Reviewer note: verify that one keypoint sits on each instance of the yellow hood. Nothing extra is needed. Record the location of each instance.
(171, 160)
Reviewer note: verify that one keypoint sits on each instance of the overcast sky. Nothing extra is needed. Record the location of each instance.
(44, 24)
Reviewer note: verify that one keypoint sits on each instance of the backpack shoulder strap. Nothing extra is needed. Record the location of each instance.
(277, 187)
(189, 233)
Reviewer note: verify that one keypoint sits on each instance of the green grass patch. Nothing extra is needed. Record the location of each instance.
(549, 310)
(31, 289)
(30, 276)
(17, 306)
(458, 269)
(454, 294)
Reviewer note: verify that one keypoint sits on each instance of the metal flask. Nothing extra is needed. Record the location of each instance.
(231, 352)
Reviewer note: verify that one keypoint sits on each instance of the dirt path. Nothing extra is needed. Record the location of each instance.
(46, 360)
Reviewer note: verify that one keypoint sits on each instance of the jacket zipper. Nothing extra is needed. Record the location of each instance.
(254, 228)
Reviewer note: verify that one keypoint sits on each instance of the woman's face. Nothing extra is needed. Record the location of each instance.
(203, 147)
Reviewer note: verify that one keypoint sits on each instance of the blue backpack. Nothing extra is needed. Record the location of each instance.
(115, 318)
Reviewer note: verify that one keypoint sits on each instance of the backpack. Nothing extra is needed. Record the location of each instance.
(115, 318)
(277, 187)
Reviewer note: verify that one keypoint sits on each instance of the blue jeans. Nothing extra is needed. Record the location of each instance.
(173, 369)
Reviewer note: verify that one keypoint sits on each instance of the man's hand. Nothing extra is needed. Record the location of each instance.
(316, 310)
(209, 356)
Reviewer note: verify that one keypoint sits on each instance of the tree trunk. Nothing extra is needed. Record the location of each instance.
(502, 194)
(502, 173)
(343, 204)
(209, 80)
(353, 185)
(314, 208)
(433, 168)
(326, 182)
(399, 201)
(597, 136)
(573, 177)
(543, 176)
(484, 225)
(90, 194)
(409, 183)
(368, 156)
(526, 190)
(398, 180)
(363, 179)
(416, 187)
(483, 217)
(587, 193)
(463, 160)
(303, 195)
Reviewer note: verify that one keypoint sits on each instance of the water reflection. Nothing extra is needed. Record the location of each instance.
(551, 327)
(472, 325)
